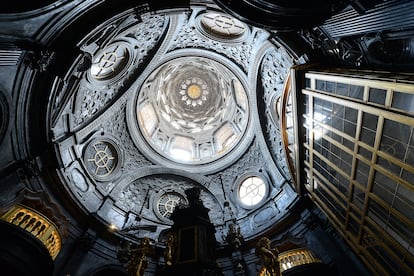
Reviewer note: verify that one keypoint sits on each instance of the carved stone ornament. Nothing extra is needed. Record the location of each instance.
(274, 69)
(115, 64)
(238, 51)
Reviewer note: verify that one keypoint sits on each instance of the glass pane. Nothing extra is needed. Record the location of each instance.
(353, 226)
(346, 157)
(329, 201)
(342, 89)
(395, 139)
(306, 102)
(342, 184)
(365, 153)
(369, 128)
(320, 85)
(358, 198)
(401, 229)
(338, 110)
(349, 128)
(393, 147)
(307, 83)
(252, 190)
(356, 92)
(377, 96)
(384, 188)
(362, 173)
(404, 202)
(408, 176)
(368, 136)
(369, 121)
(389, 166)
(351, 114)
(348, 144)
(330, 87)
(403, 101)
(397, 131)
(334, 136)
(377, 213)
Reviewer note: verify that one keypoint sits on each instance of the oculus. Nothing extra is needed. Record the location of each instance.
(252, 190)
(101, 158)
(167, 203)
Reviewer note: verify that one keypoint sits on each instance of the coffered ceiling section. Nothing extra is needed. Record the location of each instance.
(192, 110)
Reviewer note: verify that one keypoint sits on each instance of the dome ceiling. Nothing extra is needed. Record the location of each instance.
(173, 101)
(192, 110)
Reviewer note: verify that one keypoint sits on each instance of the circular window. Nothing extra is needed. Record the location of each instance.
(252, 190)
(167, 203)
(101, 158)
(110, 61)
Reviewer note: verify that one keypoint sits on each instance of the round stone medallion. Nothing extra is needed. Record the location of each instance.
(110, 61)
(222, 24)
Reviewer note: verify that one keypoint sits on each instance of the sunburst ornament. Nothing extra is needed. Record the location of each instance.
(194, 91)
